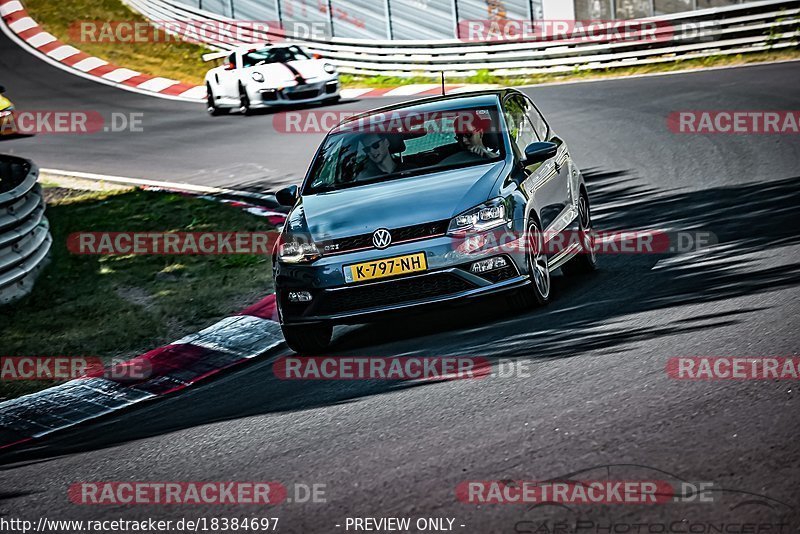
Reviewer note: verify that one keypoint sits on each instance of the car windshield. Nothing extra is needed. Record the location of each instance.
(402, 143)
(272, 55)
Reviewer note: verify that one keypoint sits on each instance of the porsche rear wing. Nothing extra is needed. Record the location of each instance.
(216, 55)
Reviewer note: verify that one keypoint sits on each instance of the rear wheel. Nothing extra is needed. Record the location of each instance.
(308, 339)
(537, 292)
(586, 260)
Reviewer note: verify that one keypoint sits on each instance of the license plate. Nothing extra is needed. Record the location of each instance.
(371, 270)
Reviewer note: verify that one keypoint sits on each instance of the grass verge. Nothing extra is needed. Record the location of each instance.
(121, 306)
(176, 60)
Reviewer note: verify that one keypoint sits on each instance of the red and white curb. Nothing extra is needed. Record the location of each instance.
(234, 340)
(23, 29)
(20, 27)
(230, 342)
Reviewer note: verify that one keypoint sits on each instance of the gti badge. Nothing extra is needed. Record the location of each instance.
(381, 238)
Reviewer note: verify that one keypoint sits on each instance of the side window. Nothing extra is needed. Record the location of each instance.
(539, 124)
(519, 126)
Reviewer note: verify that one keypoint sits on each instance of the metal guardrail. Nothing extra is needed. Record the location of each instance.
(754, 27)
(25, 238)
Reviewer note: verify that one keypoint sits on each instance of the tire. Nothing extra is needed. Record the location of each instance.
(213, 110)
(332, 100)
(586, 261)
(244, 101)
(308, 339)
(537, 292)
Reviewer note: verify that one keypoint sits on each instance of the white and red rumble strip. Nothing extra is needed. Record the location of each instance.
(16, 18)
(230, 342)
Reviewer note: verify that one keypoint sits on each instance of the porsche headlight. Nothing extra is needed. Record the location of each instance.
(293, 249)
(257, 77)
(329, 68)
(480, 218)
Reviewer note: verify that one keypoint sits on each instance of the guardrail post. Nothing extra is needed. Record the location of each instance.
(388, 9)
(330, 17)
(455, 19)
(233, 13)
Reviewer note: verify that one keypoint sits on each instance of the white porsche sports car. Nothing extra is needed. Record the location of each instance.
(260, 76)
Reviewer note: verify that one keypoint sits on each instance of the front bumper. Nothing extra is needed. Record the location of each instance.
(318, 91)
(446, 281)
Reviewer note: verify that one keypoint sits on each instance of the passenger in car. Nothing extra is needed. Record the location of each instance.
(471, 132)
(380, 156)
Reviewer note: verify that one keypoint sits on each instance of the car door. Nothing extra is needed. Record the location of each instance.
(562, 159)
(542, 179)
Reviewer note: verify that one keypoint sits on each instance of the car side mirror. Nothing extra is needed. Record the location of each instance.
(230, 66)
(2, 89)
(539, 152)
(287, 196)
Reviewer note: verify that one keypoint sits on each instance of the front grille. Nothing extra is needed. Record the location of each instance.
(269, 96)
(389, 293)
(364, 241)
(303, 95)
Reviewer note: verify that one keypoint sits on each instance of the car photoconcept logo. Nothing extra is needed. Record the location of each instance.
(381, 238)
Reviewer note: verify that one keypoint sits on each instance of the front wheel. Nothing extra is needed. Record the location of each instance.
(307, 339)
(244, 101)
(537, 292)
(213, 110)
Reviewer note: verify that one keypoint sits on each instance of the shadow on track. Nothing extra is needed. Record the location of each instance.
(587, 315)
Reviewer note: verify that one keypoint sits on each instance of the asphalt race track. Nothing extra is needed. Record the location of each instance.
(596, 394)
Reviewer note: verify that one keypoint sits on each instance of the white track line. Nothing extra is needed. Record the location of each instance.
(156, 183)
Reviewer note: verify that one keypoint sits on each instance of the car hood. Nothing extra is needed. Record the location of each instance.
(397, 203)
(278, 73)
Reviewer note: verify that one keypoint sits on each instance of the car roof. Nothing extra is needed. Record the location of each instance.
(462, 100)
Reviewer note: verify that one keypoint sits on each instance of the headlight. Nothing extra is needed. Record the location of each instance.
(330, 69)
(257, 77)
(480, 218)
(295, 250)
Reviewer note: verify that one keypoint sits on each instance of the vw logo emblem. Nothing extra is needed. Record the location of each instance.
(381, 238)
